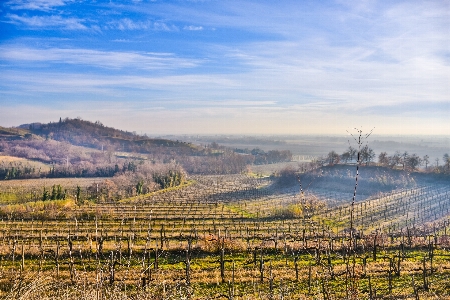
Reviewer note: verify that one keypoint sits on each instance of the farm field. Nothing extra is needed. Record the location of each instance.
(234, 237)
(29, 190)
(7, 161)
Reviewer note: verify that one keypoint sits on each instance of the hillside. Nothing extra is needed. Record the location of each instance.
(78, 148)
(12, 133)
(98, 136)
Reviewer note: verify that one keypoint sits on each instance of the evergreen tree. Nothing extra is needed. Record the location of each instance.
(54, 193)
(78, 195)
(139, 186)
(45, 195)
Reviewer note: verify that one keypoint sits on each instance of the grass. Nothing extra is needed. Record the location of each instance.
(240, 211)
(6, 160)
(158, 192)
(244, 226)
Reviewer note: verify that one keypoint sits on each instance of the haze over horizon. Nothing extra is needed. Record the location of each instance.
(228, 67)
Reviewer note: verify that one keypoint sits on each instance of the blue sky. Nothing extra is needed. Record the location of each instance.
(236, 67)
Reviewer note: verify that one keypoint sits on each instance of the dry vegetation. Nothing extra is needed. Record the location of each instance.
(157, 219)
(229, 236)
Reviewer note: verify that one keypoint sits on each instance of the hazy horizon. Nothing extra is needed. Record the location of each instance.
(234, 67)
(346, 133)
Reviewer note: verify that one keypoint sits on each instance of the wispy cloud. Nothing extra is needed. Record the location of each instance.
(267, 65)
(161, 26)
(43, 22)
(95, 58)
(128, 24)
(200, 87)
(193, 28)
(42, 5)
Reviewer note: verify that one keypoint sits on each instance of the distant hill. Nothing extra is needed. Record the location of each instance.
(75, 147)
(96, 135)
(12, 133)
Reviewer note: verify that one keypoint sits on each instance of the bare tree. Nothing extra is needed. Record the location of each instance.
(345, 157)
(352, 152)
(383, 159)
(413, 161)
(333, 158)
(426, 160)
(367, 154)
(395, 159)
(446, 160)
(405, 156)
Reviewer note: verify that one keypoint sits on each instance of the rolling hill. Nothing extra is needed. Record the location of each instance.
(94, 135)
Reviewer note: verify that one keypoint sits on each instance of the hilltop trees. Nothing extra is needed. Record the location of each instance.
(426, 160)
(349, 154)
(398, 160)
(367, 154)
(395, 159)
(412, 162)
(333, 158)
(446, 160)
(383, 159)
(404, 160)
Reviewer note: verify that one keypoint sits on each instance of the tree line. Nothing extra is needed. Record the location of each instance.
(398, 160)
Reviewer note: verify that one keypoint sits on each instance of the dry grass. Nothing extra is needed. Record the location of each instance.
(6, 159)
(48, 182)
(210, 223)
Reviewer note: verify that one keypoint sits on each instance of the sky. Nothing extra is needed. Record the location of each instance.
(228, 67)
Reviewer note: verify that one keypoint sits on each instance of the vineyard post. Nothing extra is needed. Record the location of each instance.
(424, 274)
(188, 268)
(222, 264)
(57, 259)
(112, 271)
(261, 267)
(156, 259)
(276, 238)
(309, 278)
(270, 281)
(22, 265)
(161, 236)
(130, 246)
(431, 255)
(364, 265)
(330, 265)
(149, 270)
(13, 251)
(374, 254)
(399, 257)
(232, 290)
(41, 251)
(390, 271)
(71, 262)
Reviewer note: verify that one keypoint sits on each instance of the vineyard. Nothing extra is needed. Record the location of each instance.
(234, 237)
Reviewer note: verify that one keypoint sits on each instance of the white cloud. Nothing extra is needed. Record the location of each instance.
(47, 22)
(42, 5)
(193, 28)
(129, 24)
(161, 26)
(290, 67)
(105, 59)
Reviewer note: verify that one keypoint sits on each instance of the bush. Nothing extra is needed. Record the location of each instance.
(289, 212)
